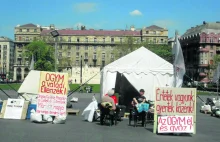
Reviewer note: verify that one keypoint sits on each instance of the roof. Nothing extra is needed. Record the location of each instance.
(154, 27)
(140, 61)
(28, 25)
(5, 39)
(94, 32)
(205, 27)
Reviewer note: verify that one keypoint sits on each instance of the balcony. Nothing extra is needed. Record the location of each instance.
(203, 65)
(202, 74)
(203, 50)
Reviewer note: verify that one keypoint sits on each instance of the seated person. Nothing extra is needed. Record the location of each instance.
(140, 102)
(107, 98)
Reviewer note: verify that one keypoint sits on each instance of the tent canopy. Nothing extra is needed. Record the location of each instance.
(142, 68)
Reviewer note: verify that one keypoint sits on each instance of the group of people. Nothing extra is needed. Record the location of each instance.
(139, 102)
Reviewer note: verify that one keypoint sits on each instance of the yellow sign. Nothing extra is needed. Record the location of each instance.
(53, 83)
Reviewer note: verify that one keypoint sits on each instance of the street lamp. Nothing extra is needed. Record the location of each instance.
(81, 70)
(55, 34)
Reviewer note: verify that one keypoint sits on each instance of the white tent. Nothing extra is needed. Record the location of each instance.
(142, 68)
(30, 87)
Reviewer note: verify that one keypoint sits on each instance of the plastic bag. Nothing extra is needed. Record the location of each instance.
(35, 117)
(47, 118)
(59, 120)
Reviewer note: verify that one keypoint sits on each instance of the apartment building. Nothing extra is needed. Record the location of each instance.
(200, 44)
(6, 57)
(95, 47)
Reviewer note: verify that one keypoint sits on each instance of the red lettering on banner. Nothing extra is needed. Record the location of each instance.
(54, 77)
(175, 124)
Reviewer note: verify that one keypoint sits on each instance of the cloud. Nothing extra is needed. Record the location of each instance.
(135, 13)
(165, 23)
(85, 7)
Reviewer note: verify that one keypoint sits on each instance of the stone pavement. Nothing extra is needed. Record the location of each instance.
(77, 130)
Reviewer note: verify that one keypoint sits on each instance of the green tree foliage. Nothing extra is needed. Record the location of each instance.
(216, 60)
(43, 55)
(130, 44)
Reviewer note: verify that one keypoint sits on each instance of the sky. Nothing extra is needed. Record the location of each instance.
(174, 15)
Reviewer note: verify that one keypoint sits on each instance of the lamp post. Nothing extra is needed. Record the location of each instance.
(81, 70)
(55, 34)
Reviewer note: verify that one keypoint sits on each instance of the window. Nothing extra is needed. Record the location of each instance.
(211, 54)
(86, 47)
(61, 47)
(147, 32)
(121, 40)
(154, 32)
(94, 55)
(103, 40)
(35, 30)
(77, 47)
(86, 55)
(155, 40)
(103, 55)
(112, 40)
(69, 46)
(27, 30)
(161, 40)
(77, 54)
(61, 39)
(4, 46)
(87, 40)
(27, 38)
(69, 39)
(20, 30)
(95, 47)
(77, 39)
(103, 47)
(77, 62)
(211, 47)
(95, 39)
(35, 38)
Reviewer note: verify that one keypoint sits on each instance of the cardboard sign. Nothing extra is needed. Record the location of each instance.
(53, 83)
(175, 101)
(175, 124)
(175, 104)
(51, 104)
(14, 109)
(52, 97)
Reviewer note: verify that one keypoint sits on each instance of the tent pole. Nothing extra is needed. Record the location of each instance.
(217, 90)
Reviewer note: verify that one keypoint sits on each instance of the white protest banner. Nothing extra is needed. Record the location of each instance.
(14, 109)
(178, 102)
(52, 97)
(175, 124)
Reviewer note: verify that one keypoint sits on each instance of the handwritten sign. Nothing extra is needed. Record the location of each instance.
(178, 101)
(51, 104)
(52, 97)
(176, 108)
(53, 83)
(14, 109)
(175, 124)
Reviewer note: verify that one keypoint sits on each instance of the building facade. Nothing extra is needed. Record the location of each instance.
(200, 44)
(94, 47)
(6, 57)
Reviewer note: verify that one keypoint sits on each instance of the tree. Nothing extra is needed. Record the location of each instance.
(216, 60)
(130, 44)
(43, 55)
